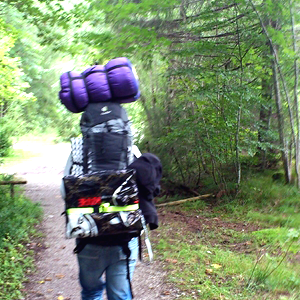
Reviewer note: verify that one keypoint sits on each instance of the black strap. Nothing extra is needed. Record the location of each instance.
(93, 71)
(80, 246)
(109, 85)
(116, 67)
(85, 148)
(85, 87)
(140, 248)
(72, 91)
(127, 252)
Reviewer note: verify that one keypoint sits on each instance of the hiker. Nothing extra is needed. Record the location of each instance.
(101, 255)
(108, 186)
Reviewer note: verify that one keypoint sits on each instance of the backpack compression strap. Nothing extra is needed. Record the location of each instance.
(103, 208)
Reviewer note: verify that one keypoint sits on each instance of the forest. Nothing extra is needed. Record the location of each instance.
(219, 85)
(219, 79)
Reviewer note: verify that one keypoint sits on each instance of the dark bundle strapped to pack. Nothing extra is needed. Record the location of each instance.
(102, 203)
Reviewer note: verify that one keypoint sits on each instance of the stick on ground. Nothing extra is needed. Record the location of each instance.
(184, 200)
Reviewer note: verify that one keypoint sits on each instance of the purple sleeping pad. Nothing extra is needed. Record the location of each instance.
(122, 80)
(116, 81)
(73, 91)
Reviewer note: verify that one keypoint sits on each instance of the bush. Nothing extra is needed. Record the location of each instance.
(18, 215)
(5, 141)
(68, 126)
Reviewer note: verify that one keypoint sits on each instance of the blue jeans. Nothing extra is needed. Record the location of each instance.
(94, 260)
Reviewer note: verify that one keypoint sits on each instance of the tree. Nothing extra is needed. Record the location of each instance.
(13, 87)
(214, 77)
(41, 67)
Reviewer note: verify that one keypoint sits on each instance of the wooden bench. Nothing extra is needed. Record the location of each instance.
(12, 183)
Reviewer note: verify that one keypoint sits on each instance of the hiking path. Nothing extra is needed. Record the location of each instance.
(56, 275)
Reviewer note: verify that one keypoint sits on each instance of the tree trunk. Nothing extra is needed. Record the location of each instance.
(276, 73)
(280, 117)
(264, 118)
(296, 75)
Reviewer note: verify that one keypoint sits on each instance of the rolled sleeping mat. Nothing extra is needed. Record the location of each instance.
(73, 93)
(97, 84)
(123, 80)
(116, 81)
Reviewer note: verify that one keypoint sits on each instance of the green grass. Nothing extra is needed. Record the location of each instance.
(17, 156)
(16, 262)
(31, 149)
(46, 137)
(258, 259)
(18, 217)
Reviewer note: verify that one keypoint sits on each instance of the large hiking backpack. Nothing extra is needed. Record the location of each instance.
(101, 193)
(116, 81)
(107, 137)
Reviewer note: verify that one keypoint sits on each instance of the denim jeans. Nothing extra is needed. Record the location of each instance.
(94, 260)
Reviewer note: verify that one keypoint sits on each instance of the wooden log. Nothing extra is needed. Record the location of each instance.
(12, 183)
(184, 200)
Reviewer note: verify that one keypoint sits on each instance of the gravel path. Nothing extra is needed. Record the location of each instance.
(57, 272)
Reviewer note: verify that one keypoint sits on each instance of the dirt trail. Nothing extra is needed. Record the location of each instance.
(57, 271)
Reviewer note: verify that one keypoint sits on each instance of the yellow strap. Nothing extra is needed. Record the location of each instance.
(121, 208)
(82, 210)
(102, 208)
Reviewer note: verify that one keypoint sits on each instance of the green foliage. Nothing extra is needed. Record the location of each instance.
(18, 216)
(68, 125)
(213, 250)
(12, 83)
(38, 68)
(5, 140)
(16, 262)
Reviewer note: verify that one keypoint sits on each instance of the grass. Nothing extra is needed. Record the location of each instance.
(247, 248)
(30, 147)
(18, 217)
(17, 156)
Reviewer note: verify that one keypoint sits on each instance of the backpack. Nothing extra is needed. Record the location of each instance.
(116, 81)
(101, 192)
(107, 137)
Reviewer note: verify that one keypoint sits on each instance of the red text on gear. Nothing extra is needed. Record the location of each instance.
(89, 201)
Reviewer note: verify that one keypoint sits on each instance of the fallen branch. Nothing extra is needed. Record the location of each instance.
(184, 200)
(12, 183)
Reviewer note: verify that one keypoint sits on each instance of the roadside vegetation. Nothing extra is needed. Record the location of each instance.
(246, 248)
(18, 217)
(219, 106)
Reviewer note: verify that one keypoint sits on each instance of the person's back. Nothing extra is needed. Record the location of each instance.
(100, 184)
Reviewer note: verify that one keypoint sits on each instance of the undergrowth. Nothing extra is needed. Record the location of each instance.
(18, 215)
(239, 249)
